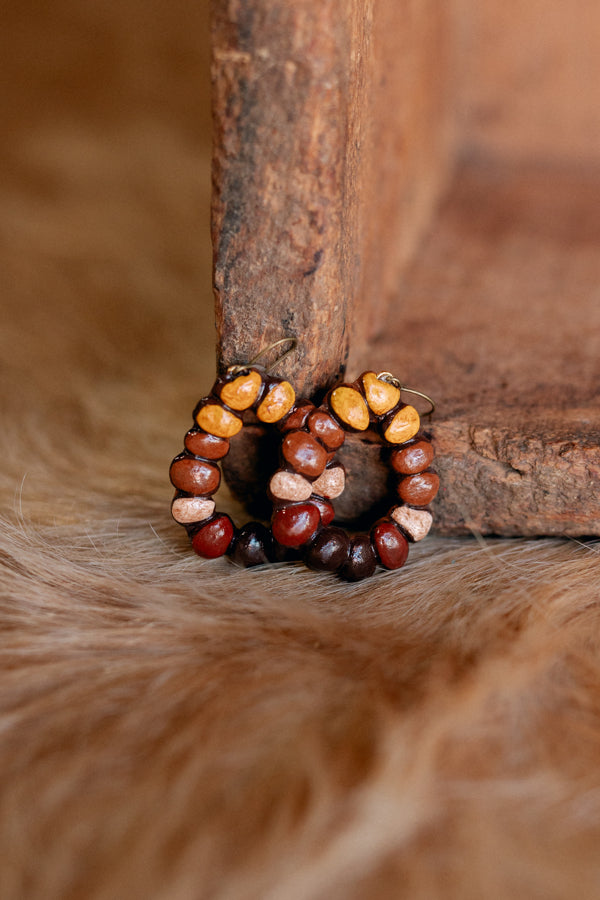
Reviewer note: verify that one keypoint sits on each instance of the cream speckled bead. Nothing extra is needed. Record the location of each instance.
(415, 522)
(330, 484)
(187, 510)
(289, 486)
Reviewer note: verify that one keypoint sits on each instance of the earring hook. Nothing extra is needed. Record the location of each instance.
(238, 369)
(391, 379)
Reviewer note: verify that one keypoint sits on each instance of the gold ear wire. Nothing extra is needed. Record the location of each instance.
(391, 379)
(237, 370)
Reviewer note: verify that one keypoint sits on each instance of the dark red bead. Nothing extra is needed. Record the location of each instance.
(252, 546)
(305, 454)
(326, 510)
(214, 538)
(362, 560)
(194, 476)
(391, 546)
(412, 459)
(298, 416)
(294, 525)
(326, 429)
(328, 551)
(419, 490)
(206, 445)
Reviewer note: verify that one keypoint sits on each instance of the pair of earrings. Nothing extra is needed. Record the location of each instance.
(309, 477)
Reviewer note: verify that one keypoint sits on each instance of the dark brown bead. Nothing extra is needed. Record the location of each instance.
(362, 560)
(306, 455)
(328, 551)
(294, 525)
(298, 416)
(206, 445)
(214, 538)
(419, 490)
(390, 545)
(252, 546)
(412, 459)
(193, 476)
(326, 429)
(326, 510)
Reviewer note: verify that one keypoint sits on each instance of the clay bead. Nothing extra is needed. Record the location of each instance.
(293, 526)
(298, 416)
(252, 546)
(326, 510)
(277, 402)
(218, 421)
(289, 486)
(350, 407)
(390, 545)
(381, 396)
(194, 476)
(242, 391)
(414, 522)
(361, 562)
(403, 425)
(328, 551)
(304, 453)
(326, 429)
(214, 538)
(419, 490)
(330, 484)
(412, 459)
(206, 445)
(187, 510)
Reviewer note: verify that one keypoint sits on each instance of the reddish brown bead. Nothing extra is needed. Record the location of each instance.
(412, 459)
(214, 538)
(326, 429)
(391, 546)
(328, 551)
(362, 561)
(298, 416)
(252, 546)
(206, 445)
(294, 525)
(326, 510)
(306, 455)
(194, 476)
(419, 490)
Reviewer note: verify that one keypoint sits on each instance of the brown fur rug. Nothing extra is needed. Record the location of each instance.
(173, 728)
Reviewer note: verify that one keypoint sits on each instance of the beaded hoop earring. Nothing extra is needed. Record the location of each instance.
(196, 475)
(371, 401)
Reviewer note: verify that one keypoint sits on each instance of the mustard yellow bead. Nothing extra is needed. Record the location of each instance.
(277, 402)
(350, 407)
(381, 396)
(218, 421)
(403, 426)
(242, 391)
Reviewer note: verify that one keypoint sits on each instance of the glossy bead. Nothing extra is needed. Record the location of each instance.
(412, 459)
(414, 522)
(304, 453)
(361, 562)
(289, 486)
(214, 538)
(242, 391)
(194, 476)
(328, 551)
(403, 425)
(326, 510)
(252, 546)
(350, 407)
(207, 445)
(213, 418)
(276, 403)
(326, 429)
(293, 526)
(381, 396)
(419, 489)
(330, 484)
(187, 510)
(390, 545)
(298, 416)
